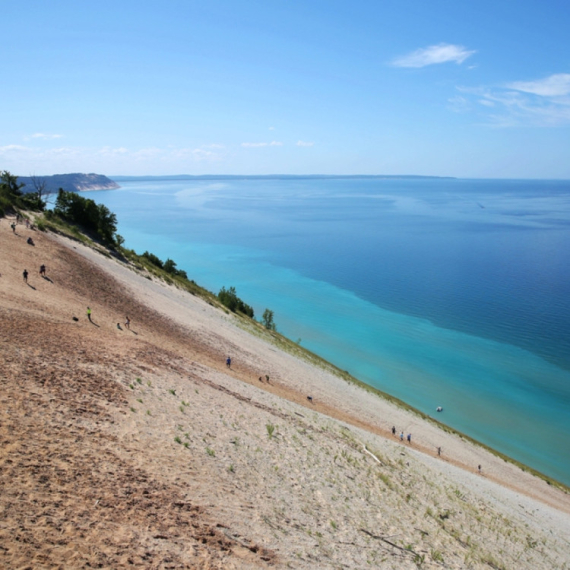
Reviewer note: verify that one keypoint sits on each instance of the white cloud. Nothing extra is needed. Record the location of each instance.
(44, 136)
(459, 104)
(541, 103)
(21, 159)
(305, 143)
(261, 144)
(13, 148)
(441, 53)
(557, 85)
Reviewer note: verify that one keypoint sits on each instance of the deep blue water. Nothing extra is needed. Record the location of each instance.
(438, 291)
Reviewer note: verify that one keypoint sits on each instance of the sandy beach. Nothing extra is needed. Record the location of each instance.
(139, 447)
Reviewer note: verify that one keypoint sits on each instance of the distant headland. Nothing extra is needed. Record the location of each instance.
(75, 182)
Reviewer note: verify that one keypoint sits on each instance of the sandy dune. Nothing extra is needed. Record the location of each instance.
(139, 448)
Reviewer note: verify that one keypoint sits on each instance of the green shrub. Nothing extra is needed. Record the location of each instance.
(229, 299)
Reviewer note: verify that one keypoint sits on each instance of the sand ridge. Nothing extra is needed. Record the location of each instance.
(140, 448)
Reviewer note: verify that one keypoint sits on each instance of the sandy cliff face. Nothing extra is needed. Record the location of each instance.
(139, 447)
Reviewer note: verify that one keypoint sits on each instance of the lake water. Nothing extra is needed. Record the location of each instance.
(442, 292)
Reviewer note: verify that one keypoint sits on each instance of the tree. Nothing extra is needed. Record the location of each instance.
(170, 267)
(267, 320)
(10, 184)
(229, 299)
(42, 190)
(85, 212)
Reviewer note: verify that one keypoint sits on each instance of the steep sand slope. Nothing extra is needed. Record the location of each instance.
(139, 448)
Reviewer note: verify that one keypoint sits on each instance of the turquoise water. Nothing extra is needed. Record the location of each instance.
(438, 291)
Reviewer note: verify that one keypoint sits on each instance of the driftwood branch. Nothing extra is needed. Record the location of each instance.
(386, 541)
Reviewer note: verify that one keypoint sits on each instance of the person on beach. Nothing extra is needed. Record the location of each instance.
(128, 322)
(25, 275)
(439, 451)
(119, 326)
(13, 226)
(401, 436)
(43, 270)
(409, 438)
(479, 469)
(89, 314)
(393, 430)
(229, 362)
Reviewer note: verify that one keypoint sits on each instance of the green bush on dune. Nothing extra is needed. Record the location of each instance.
(229, 299)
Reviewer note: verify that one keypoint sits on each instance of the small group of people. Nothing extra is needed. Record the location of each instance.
(127, 324)
(408, 437)
(42, 273)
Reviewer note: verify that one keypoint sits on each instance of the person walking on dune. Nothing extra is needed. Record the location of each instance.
(89, 314)
(229, 362)
(25, 275)
(128, 322)
(43, 270)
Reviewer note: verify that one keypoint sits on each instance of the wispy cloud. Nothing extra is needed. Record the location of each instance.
(13, 148)
(305, 143)
(260, 144)
(44, 136)
(19, 159)
(539, 103)
(441, 53)
(557, 85)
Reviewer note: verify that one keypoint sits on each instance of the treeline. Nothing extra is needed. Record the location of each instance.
(12, 197)
(229, 299)
(92, 217)
(169, 266)
(97, 220)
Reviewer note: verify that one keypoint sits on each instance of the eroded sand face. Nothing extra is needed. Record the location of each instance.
(140, 448)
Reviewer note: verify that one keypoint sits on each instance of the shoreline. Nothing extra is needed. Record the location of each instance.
(455, 367)
(139, 445)
(516, 476)
(288, 345)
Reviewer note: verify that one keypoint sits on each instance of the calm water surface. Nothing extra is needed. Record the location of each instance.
(438, 291)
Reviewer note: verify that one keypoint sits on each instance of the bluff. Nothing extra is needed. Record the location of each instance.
(76, 182)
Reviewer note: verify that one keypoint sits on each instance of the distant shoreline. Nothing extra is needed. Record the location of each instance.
(282, 177)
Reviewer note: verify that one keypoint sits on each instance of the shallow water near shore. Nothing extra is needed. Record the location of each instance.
(442, 292)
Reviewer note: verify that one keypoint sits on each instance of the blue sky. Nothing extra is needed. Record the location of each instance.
(436, 87)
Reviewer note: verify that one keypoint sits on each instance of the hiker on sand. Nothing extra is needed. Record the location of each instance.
(13, 226)
(229, 362)
(439, 451)
(409, 438)
(43, 270)
(25, 275)
(89, 314)
(128, 322)
(393, 430)
(401, 436)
